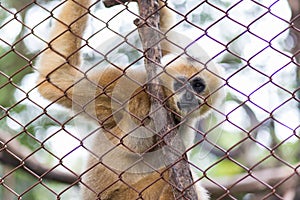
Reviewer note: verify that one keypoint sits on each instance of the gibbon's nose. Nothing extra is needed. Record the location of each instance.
(189, 96)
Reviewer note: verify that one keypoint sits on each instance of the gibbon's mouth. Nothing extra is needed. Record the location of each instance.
(188, 106)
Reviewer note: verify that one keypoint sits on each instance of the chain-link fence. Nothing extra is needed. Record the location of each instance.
(87, 113)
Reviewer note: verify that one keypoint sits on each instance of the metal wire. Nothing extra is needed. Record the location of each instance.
(268, 175)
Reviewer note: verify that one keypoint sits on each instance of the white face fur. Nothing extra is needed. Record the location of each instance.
(191, 86)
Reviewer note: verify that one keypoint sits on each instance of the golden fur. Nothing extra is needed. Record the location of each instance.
(62, 82)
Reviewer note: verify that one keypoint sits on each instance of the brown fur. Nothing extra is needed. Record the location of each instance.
(62, 82)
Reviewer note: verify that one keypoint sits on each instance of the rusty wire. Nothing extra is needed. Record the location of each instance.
(255, 178)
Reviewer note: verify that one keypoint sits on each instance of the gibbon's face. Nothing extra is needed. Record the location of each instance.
(190, 88)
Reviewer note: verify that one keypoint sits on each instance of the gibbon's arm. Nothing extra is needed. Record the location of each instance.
(58, 64)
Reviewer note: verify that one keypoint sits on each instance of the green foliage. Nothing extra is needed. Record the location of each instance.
(223, 167)
(28, 187)
(12, 70)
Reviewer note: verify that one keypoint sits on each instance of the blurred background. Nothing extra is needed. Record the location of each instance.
(252, 142)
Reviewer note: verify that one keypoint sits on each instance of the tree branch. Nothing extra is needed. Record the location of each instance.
(20, 157)
(180, 174)
(248, 182)
(110, 3)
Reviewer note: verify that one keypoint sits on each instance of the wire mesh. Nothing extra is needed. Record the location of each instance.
(94, 137)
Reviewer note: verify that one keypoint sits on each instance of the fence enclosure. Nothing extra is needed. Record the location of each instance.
(247, 147)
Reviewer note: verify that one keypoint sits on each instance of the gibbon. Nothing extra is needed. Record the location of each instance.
(120, 104)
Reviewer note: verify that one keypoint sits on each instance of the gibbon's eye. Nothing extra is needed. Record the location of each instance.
(179, 82)
(198, 85)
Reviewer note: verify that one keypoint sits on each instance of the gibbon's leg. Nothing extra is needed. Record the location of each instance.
(167, 20)
(57, 64)
(151, 186)
(166, 16)
(167, 193)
